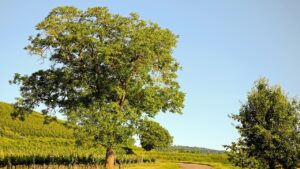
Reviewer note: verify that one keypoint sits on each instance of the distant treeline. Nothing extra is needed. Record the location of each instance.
(191, 149)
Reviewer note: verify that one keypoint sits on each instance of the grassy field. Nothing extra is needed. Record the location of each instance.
(157, 165)
(34, 138)
(175, 165)
(217, 161)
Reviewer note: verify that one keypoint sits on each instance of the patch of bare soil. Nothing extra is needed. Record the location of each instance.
(194, 166)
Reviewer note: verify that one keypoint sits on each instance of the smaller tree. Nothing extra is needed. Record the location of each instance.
(153, 135)
(269, 128)
(238, 156)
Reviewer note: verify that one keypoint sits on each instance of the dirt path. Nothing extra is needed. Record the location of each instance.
(194, 166)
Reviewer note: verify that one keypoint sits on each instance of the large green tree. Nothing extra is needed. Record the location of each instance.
(107, 72)
(269, 128)
(153, 135)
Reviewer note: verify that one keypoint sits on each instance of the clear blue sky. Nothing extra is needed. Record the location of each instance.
(224, 47)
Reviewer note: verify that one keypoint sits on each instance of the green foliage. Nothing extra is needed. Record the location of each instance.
(238, 156)
(107, 72)
(269, 127)
(153, 135)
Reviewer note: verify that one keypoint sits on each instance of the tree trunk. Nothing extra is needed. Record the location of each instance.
(110, 159)
(271, 164)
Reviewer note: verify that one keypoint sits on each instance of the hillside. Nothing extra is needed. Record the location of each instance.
(32, 136)
(33, 126)
(54, 134)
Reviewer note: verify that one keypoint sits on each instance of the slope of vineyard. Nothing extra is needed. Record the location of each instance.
(34, 125)
(25, 142)
(31, 142)
(32, 136)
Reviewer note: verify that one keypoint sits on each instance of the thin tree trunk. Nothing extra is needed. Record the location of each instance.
(110, 159)
(271, 164)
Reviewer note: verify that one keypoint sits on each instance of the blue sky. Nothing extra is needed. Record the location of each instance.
(224, 46)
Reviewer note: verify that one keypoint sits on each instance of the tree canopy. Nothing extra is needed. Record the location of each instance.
(153, 135)
(269, 127)
(107, 72)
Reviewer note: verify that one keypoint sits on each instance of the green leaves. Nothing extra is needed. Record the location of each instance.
(153, 135)
(107, 72)
(269, 126)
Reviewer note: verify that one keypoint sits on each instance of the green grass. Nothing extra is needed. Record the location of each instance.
(33, 137)
(217, 161)
(157, 165)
